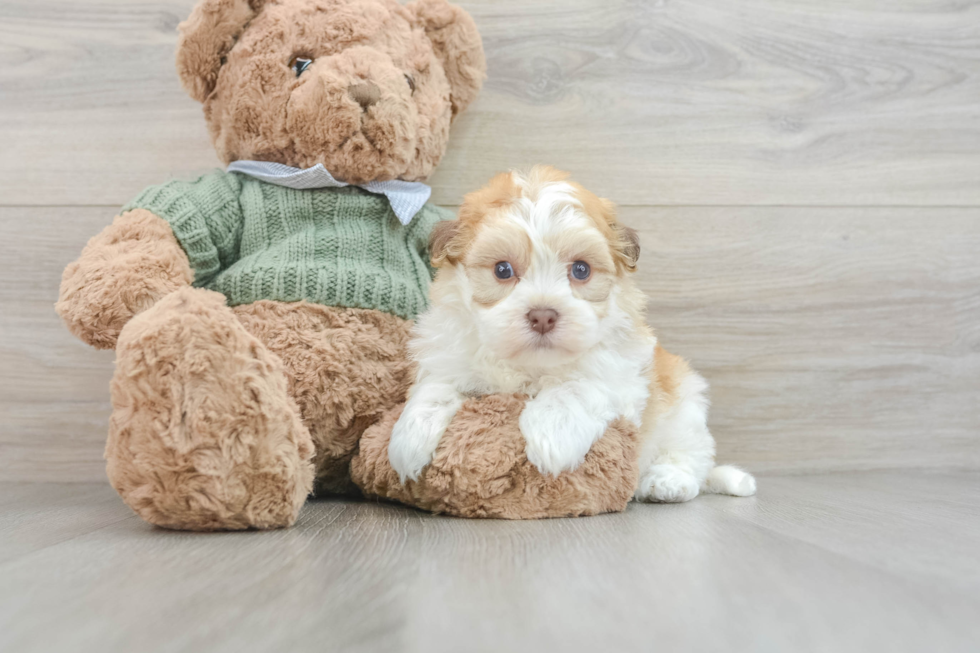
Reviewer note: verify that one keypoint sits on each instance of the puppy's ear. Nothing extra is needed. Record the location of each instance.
(625, 241)
(206, 37)
(627, 247)
(457, 43)
(441, 243)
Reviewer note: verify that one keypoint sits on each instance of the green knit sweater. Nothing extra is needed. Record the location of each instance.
(252, 240)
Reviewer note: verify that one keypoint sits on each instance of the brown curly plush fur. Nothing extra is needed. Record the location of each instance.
(132, 264)
(257, 108)
(345, 367)
(204, 434)
(480, 470)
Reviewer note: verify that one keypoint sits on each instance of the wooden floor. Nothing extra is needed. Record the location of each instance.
(872, 561)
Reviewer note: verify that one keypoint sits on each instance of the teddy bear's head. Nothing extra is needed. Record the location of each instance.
(368, 88)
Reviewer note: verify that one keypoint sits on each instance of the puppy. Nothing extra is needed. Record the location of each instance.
(534, 295)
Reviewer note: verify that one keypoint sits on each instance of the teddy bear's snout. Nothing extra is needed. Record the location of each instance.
(365, 94)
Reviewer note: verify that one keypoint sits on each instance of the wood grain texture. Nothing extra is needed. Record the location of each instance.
(845, 562)
(833, 338)
(34, 516)
(650, 102)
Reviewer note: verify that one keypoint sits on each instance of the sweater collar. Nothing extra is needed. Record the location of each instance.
(406, 197)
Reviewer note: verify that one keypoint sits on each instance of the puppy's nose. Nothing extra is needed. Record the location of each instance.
(542, 320)
(365, 94)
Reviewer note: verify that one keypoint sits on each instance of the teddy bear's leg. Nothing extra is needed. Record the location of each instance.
(345, 366)
(203, 434)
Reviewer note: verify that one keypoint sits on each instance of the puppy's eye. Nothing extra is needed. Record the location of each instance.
(300, 64)
(503, 270)
(411, 82)
(581, 270)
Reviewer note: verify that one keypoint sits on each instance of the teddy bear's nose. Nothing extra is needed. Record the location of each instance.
(365, 94)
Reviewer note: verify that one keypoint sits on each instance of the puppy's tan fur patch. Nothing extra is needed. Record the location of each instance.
(666, 375)
(451, 240)
(505, 241)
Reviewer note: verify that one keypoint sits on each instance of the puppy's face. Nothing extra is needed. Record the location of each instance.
(540, 260)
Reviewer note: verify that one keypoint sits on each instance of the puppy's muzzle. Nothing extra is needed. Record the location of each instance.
(542, 320)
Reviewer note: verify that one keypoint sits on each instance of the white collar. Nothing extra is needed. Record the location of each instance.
(406, 197)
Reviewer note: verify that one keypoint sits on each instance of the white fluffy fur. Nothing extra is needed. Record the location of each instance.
(594, 367)
(678, 452)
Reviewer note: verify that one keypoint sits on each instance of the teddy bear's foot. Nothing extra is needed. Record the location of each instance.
(203, 434)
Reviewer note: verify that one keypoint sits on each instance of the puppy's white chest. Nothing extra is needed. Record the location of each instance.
(620, 376)
(625, 379)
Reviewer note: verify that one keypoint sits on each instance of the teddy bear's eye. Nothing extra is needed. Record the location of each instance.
(411, 82)
(300, 64)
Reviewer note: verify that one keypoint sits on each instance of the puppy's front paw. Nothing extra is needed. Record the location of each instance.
(417, 432)
(411, 448)
(557, 440)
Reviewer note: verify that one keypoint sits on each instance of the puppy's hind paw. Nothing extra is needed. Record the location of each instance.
(667, 484)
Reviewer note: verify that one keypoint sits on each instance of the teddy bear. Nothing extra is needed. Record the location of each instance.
(260, 314)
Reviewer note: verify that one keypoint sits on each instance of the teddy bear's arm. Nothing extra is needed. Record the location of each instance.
(124, 270)
(205, 216)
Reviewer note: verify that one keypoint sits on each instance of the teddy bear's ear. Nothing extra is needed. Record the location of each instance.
(457, 43)
(206, 37)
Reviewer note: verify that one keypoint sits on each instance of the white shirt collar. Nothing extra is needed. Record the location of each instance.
(406, 197)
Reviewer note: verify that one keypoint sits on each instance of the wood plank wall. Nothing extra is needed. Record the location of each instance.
(805, 176)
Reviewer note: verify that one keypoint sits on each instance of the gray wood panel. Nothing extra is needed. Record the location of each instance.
(834, 338)
(688, 102)
(845, 562)
(35, 516)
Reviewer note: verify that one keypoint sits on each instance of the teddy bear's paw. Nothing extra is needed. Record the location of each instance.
(667, 484)
(203, 435)
(132, 264)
